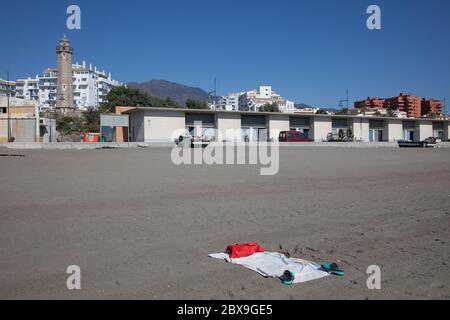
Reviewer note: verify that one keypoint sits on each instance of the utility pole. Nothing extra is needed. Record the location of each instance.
(348, 111)
(213, 94)
(445, 111)
(8, 92)
(346, 101)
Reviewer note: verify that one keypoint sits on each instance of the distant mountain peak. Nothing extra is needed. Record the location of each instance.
(164, 89)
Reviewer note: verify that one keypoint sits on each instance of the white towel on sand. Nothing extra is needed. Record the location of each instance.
(274, 264)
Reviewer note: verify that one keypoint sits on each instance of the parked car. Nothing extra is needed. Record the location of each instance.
(432, 140)
(294, 136)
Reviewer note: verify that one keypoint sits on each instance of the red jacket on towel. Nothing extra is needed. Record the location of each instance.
(243, 250)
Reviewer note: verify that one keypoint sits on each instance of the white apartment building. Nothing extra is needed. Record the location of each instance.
(90, 87)
(311, 110)
(27, 89)
(7, 86)
(230, 102)
(255, 99)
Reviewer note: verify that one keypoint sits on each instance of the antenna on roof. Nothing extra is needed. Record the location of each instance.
(8, 87)
(445, 111)
(213, 94)
(346, 101)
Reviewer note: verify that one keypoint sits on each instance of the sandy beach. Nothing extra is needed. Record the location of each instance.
(140, 227)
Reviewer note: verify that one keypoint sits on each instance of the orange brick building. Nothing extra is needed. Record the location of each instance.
(410, 104)
(432, 106)
(370, 102)
(413, 106)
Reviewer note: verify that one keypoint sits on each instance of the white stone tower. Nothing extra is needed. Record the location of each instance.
(64, 89)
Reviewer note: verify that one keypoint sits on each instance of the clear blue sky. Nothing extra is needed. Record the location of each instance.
(309, 51)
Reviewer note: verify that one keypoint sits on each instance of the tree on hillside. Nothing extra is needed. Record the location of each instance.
(343, 111)
(377, 114)
(91, 116)
(321, 111)
(433, 115)
(362, 105)
(68, 125)
(390, 113)
(170, 102)
(90, 121)
(123, 96)
(270, 107)
(195, 104)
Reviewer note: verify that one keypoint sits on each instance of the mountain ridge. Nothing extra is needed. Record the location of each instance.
(177, 92)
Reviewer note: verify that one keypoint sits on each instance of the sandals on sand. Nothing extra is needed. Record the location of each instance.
(332, 268)
(287, 278)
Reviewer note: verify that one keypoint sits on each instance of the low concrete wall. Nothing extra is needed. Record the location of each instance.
(82, 146)
(135, 145)
(341, 145)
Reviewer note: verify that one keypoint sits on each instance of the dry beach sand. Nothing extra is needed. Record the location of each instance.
(141, 228)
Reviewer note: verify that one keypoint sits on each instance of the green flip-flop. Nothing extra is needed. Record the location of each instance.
(287, 278)
(332, 268)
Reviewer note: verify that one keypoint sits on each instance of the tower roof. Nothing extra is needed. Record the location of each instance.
(64, 45)
(64, 41)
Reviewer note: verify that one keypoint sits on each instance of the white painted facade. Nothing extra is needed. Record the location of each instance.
(253, 100)
(165, 125)
(320, 128)
(157, 125)
(228, 127)
(230, 102)
(277, 123)
(90, 87)
(425, 130)
(27, 89)
(360, 128)
(395, 130)
(307, 110)
(23, 119)
(6, 87)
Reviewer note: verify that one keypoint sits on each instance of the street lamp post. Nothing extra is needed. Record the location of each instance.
(445, 111)
(8, 92)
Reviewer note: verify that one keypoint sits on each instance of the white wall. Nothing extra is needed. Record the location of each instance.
(167, 125)
(277, 123)
(361, 129)
(395, 130)
(321, 127)
(164, 125)
(425, 130)
(229, 127)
